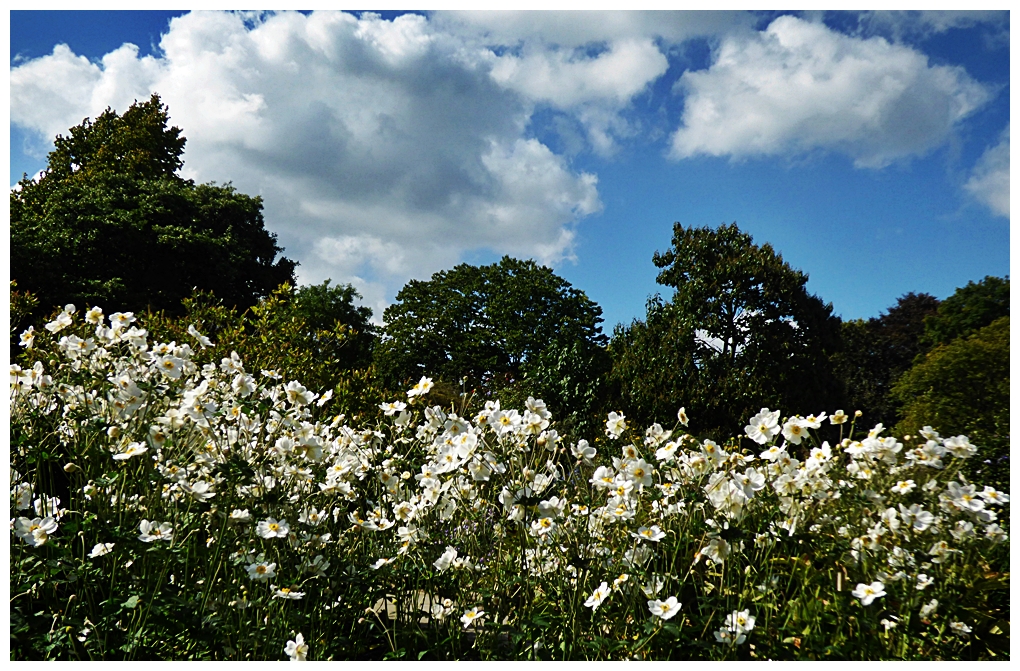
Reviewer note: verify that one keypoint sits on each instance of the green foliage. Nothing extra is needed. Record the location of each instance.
(740, 332)
(301, 334)
(111, 222)
(327, 310)
(963, 388)
(969, 308)
(874, 353)
(510, 327)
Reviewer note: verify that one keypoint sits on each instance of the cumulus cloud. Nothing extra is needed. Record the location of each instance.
(588, 65)
(384, 150)
(799, 86)
(989, 181)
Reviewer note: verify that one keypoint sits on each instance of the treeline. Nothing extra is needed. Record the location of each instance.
(110, 222)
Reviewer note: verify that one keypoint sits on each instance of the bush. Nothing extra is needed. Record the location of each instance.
(171, 503)
(963, 387)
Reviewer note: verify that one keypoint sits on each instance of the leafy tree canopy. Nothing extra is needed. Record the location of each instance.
(963, 388)
(111, 222)
(969, 308)
(740, 332)
(876, 352)
(329, 309)
(497, 325)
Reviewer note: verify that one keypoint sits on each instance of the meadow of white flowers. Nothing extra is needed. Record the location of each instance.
(168, 507)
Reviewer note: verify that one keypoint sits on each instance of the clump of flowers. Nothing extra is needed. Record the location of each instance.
(185, 469)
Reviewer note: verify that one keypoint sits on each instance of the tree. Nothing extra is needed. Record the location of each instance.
(111, 222)
(969, 308)
(500, 326)
(874, 354)
(328, 310)
(740, 332)
(963, 388)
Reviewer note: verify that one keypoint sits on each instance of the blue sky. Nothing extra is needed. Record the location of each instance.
(871, 150)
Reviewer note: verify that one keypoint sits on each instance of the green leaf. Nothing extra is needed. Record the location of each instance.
(131, 602)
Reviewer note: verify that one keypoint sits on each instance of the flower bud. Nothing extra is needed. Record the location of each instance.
(71, 468)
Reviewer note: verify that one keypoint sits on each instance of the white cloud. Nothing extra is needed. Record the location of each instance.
(989, 181)
(799, 86)
(902, 24)
(384, 150)
(589, 64)
(571, 29)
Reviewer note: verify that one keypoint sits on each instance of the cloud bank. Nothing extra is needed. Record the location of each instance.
(386, 150)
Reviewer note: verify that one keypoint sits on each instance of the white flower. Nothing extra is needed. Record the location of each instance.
(271, 528)
(101, 549)
(238, 515)
(62, 321)
(868, 593)
(285, 593)
(471, 615)
(763, 427)
(120, 320)
(652, 533)
(924, 581)
(724, 635)
(132, 450)
(151, 532)
(838, 417)
(740, 621)
(794, 430)
(929, 608)
(297, 649)
(664, 609)
(311, 516)
(993, 497)
(716, 551)
(598, 596)
(202, 340)
(615, 425)
(959, 447)
(390, 409)
(446, 559)
(903, 487)
(582, 450)
(297, 394)
(681, 415)
(28, 337)
(423, 387)
(324, 398)
(261, 571)
(35, 532)
(382, 561)
(94, 315)
(959, 628)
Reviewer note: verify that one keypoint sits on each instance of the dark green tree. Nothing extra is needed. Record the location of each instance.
(111, 222)
(328, 310)
(875, 352)
(740, 332)
(513, 327)
(963, 388)
(969, 308)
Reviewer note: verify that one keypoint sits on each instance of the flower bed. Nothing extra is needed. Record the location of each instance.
(166, 506)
